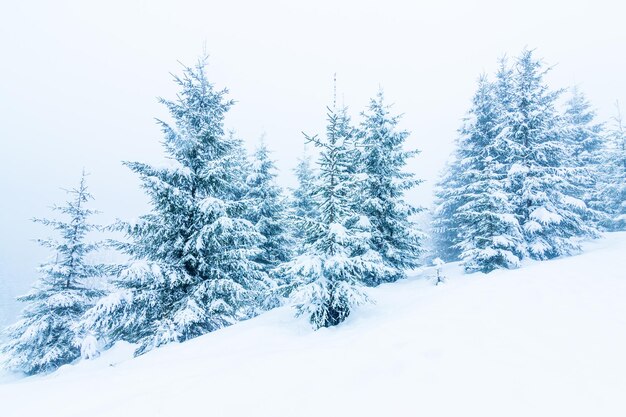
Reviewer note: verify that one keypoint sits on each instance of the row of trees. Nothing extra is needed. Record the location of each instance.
(221, 242)
(527, 180)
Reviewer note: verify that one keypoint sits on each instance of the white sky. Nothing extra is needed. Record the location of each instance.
(79, 81)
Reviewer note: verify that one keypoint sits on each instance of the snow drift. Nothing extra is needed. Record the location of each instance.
(544, 340)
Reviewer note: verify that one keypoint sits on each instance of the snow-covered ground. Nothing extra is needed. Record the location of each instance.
(545, 340)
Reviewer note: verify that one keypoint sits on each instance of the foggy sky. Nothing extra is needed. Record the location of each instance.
(79, 81)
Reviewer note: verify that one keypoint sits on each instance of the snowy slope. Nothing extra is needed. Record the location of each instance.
(545, 340)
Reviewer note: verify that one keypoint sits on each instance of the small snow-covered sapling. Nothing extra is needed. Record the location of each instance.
(438, 263)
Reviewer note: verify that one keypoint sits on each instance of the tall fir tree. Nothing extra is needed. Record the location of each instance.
(449, 195)
(47, 336)
(302, 204)
(584, 135)
(586, 146)
(488, 232)
(551, 215)
(268, 211)
(192, 268)
(613, 192)
(329, 273)
(382, 186)
(444, 236)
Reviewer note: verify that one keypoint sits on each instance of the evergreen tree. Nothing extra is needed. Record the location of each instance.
(192, 269)
(268, 211)
(551, 215)
(449, 193)
(586, 146)
(384, 180)
(584, 136)
(488, 231)
(329, 273)
(613, 192)
(303, 207)
(448, 198)
(46, 335)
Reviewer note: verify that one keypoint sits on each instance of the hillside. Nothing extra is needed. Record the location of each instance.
(548, 339)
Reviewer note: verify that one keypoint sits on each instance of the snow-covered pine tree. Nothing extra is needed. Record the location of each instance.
(192, 270)
(449, 194)
(585, 136)
(613, 191)
(302, 204)
(329, 273)
(383, 182)
(448, 191)
(268, 211)
(551, 215)
(444, 234)
(586, 146)
(488, 231)
(46, 336)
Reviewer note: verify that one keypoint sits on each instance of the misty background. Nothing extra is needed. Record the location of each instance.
(79, 82)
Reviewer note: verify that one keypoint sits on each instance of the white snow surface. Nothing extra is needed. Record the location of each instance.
(548, 339)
